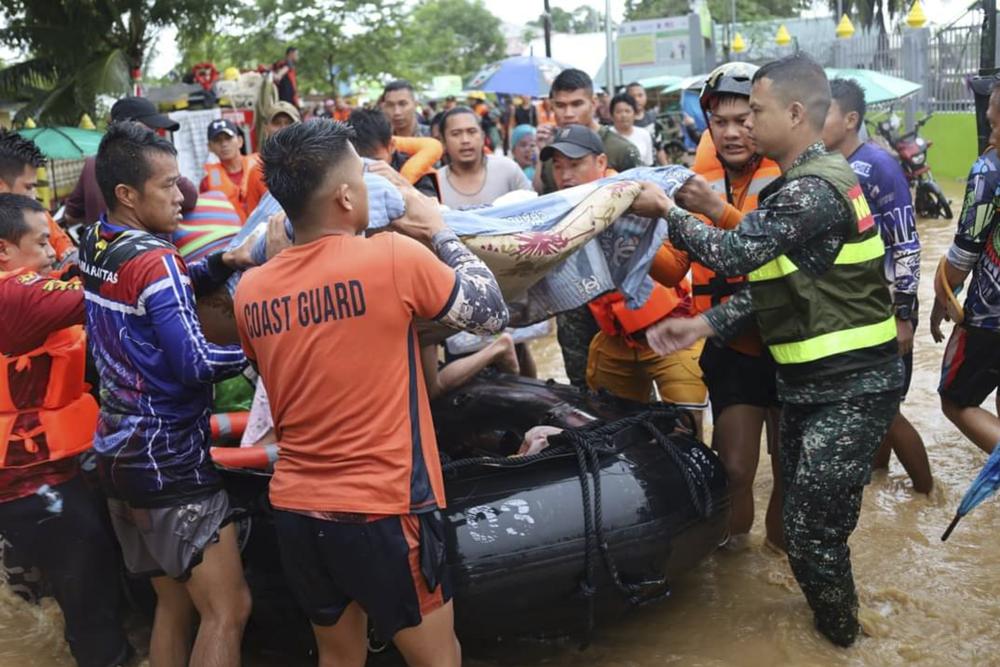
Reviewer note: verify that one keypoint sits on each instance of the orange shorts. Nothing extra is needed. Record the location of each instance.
(631, 373)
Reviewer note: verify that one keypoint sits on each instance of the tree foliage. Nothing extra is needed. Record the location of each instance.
(746, 10)
(449, 37)
(78, 49)
(335, 38)
(338, 39)
(582, 19)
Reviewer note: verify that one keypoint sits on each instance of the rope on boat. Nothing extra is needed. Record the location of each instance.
(587, 443)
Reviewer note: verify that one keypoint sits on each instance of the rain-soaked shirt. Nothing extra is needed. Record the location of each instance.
(805, 219)
(977, 243)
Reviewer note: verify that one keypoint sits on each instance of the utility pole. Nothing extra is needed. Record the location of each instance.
(987, 67)
(547, 25)
(609, 61)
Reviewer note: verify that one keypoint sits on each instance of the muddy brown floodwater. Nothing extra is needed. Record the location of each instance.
(935, 604)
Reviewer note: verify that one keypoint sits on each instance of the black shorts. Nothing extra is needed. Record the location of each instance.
(734, 378)
(393, 567)
(970, 370)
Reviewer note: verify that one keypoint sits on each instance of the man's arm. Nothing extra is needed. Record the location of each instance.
(171, 307)
(42, 304)
(477, 304)
(800, 211)
(731, 318)
(975, 224)
(424, 154)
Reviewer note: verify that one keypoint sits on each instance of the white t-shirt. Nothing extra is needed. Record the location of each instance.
(641, 139)
(502, 176)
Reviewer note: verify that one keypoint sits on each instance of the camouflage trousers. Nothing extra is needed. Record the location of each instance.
(575, 329)
(826, 460)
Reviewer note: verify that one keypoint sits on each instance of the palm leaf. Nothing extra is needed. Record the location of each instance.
(106, 74)
(27, 75)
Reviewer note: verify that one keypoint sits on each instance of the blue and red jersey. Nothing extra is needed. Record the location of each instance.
(976, 247)
(888, 195)
(155, 365)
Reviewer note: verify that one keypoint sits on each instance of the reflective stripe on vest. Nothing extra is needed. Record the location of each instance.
(850, 253)
(814, 323)
(835, 342)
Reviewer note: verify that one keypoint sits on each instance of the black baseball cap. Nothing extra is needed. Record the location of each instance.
(574, 141)
(144, 111)
(222, 126)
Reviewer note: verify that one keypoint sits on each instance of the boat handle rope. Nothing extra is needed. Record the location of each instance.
(588, 443)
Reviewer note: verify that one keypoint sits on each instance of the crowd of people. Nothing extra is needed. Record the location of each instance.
(785, 298)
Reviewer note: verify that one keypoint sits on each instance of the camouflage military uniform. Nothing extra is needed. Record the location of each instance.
(831, 426)
(575, 330)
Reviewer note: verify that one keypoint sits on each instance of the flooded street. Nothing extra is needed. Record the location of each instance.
(933, 603)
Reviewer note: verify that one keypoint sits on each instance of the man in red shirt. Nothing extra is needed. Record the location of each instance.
(329, 323)
(46, 419)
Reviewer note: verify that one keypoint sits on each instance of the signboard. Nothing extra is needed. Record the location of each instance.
(444, 86)
(654, 42)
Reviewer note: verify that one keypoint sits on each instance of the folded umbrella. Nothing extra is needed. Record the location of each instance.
(984, 486)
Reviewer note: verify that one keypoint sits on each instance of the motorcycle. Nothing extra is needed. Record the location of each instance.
(911, 150)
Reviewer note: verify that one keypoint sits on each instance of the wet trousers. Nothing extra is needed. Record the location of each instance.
(574, 331)
(72, 547)
(826, 456)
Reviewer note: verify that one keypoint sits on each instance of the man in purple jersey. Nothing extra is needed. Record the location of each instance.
(888, 196)
(166, 501)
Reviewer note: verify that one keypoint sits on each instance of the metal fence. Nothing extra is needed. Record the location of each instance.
(874, 50)
(953, 55)
(940, 59)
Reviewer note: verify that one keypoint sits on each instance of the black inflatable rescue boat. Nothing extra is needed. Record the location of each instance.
(619, 505)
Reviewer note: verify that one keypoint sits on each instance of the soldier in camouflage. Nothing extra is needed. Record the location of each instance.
(828, 324)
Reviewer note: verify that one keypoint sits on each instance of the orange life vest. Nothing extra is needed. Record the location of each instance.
(617, 319)
(709, 289)
(67, 414)
(218, 179)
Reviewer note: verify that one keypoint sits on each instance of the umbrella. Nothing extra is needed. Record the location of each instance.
(984, 486)
(531, 76)
(64, 143)
(878, 87)
(659, 81)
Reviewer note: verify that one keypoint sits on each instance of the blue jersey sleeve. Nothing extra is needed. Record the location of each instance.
(978, 216)
(192, 359)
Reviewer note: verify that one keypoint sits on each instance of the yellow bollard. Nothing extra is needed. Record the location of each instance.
(783, 38)
(845, 29)
(43, 191)
(916, 17)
